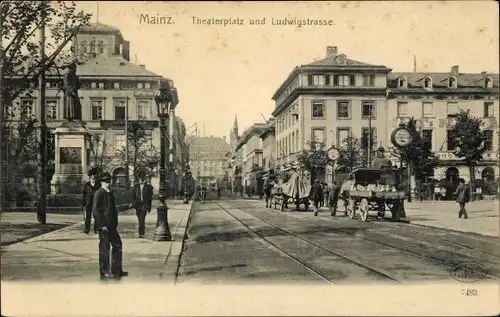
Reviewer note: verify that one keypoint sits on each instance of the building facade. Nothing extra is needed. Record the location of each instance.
(336, 97)
(269, 147)
(208, 157)
(251, 158)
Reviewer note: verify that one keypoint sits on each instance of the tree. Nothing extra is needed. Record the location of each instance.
(366, 141)
(22, 63)
(314, 160)
(466, 133)
(98, 152)
(350, 153)
(141, 151)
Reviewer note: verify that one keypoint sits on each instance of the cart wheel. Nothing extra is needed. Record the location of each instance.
(381, 210)
(396, 211)
(363, 209)
(351, 208)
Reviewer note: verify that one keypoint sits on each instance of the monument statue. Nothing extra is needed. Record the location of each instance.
(72, 105)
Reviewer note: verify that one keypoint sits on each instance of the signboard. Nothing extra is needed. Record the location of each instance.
(144, 93)
(70, 155)
(401, 137)
(451, 156)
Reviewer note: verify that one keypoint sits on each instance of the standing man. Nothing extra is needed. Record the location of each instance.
(333, 198)
(89, 190)
(316, 195)
(106, 220)
(463, 196)
(142, 195)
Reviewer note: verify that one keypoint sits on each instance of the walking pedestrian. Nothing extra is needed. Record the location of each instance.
(106, 220)
(89, 190)
(316, 195)
(141, 200)
(437, 192)
(149, 202)
(326, 194)
(333, 198)
(463, 197)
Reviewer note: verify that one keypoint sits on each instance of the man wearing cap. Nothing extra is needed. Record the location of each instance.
(89, 190)
(106, 221)
(142, 195)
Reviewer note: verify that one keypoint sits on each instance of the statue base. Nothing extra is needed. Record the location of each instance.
(71, 158)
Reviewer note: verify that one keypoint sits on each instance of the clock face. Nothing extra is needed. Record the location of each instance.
(333, 154)
(402, 137)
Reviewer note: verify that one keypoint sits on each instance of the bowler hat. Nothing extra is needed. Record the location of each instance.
(105, 177)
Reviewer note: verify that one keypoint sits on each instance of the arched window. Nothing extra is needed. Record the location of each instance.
(488, 174)
(452, 82)
(488, 83)
(403, 82)
(427, 82)
(100, 47)
(85, 47)
(92, 46)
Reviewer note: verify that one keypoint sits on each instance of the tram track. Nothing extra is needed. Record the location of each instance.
(428, 257)
(384, 275)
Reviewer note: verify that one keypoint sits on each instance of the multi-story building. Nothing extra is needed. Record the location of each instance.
(114, 91)
(435, 99)
(327, 101)
(251, 144)
(208, 157)
(331, 99)
(269, 147)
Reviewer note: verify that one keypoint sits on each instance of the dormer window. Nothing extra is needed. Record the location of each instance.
(488, 83)
(403, 82)
(427, 82)
(452, 82)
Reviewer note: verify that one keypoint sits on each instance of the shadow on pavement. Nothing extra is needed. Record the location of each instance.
(213, 269)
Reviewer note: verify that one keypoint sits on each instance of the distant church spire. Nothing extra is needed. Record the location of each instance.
(235, 125)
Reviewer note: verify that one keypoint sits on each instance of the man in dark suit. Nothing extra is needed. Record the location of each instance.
(316, 195)
(142, 195)
(106, 220)
(89, 190)
(333, 198)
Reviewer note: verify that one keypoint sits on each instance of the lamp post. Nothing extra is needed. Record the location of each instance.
(187, 182)
(163, 104)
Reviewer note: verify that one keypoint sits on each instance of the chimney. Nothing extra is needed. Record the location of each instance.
(142, 65)
(454, 69)
(484, 73)
(331, 51)
(224, 138)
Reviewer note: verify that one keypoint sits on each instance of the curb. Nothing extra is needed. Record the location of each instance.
(181, 246)
(455, 231)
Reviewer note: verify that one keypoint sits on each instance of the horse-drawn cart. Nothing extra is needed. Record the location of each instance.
(295, 191)
(376, 190)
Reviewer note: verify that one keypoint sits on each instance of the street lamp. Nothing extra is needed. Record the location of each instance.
(187, 181)
(163, 104)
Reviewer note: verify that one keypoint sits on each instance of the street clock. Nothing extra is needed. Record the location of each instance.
(401, 137)
(333, 154)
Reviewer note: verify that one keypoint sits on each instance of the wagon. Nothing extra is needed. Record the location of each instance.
(295, 191)
(376, 190)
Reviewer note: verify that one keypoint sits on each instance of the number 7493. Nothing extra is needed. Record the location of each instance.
(469, 292)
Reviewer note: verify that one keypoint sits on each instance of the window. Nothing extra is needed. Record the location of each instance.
(452, 109)
(368, 80)
(120, 141)
(318, 137)
(97, 109)
(100, 47)
(120, 109)
(402, 109)
(92, 46)
(488, 83)
(488, 110)
(143, 109)
(327, 80)
(342, 134)
(403, 82)
(310, 80)
(452, 82)
(27, 107)
(343, 80)
(427, 82)
(427, 139)
(147, 85)
(51, 107)
(427, 109)
(139, 85)
(93, 85)
(451, 142)
(368, 109)
(116, 85)
(488, 142)
(318, 109)
(101, 85)
(343, 110)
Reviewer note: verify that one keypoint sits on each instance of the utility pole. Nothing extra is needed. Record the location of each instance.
(3, 154)
(369, 150)
(42, 135)
(127, 174)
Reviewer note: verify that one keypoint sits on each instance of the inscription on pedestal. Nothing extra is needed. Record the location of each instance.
(70, 155)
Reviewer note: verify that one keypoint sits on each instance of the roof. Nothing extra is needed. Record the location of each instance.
(342, 61)
(209, 144)
(98, 27)
(441, 79)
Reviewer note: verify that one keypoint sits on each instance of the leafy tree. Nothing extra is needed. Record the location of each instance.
(141, 152)
(314, 160)
(22, 64)
(350, 153)
(467, 135)
(98, 152)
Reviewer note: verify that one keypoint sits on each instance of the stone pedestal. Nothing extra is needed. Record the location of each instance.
(71, 159)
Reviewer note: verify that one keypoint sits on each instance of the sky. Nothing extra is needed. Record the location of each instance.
(222, 71)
